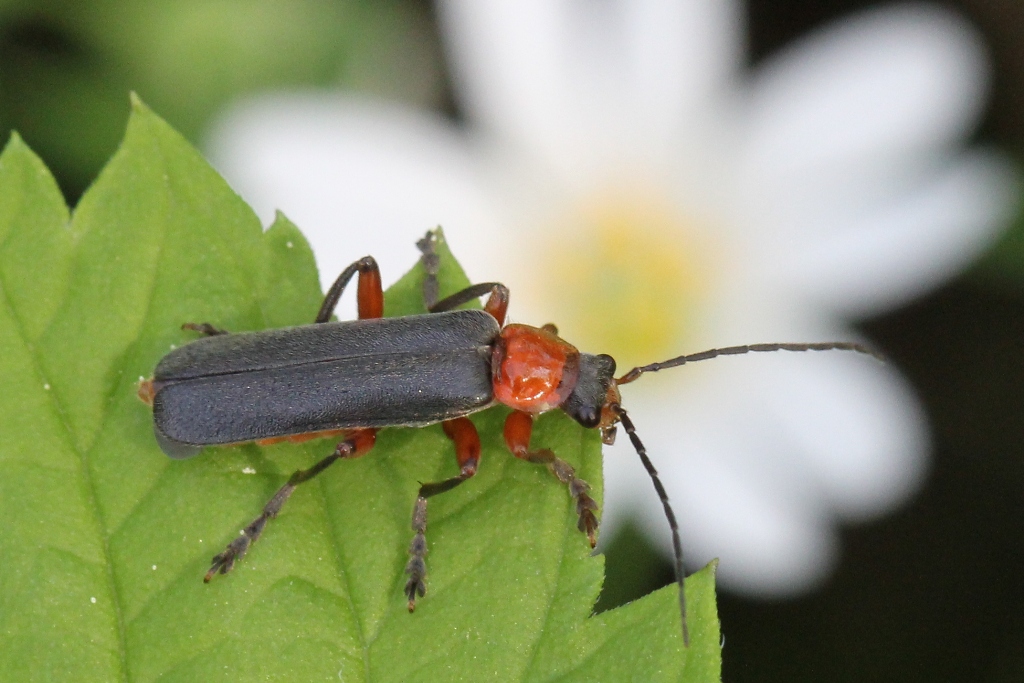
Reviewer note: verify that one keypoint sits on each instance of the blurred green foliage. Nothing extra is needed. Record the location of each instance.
(1002, 265)
(66, 66)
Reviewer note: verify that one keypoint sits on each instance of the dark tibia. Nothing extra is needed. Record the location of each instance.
(369, 292)
(467, 451)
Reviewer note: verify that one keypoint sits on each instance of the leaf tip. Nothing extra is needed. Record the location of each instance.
(15, 145)
(136, 102)
(17, 152)
(15, 140)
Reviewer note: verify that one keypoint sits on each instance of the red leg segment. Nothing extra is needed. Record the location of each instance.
(518, 429)
(463, 434)
(497, 303)
(370, 294)
(467, 451)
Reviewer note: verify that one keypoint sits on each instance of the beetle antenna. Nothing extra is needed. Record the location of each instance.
(746, 348)
(677, 545)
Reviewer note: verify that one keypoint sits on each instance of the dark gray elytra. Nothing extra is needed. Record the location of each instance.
(408, 371)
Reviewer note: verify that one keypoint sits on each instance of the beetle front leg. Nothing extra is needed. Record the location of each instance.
(467, 451)
(518, 429)
(357, 443)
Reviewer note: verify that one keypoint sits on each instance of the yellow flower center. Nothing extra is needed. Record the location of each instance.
(626, 276)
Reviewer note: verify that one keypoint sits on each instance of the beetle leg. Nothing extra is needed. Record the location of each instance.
(369, 291)
(497, 302)
(204, 328)
(518, 428)
(496, 305)
(357, 443)
(431, 264)
(467, 451)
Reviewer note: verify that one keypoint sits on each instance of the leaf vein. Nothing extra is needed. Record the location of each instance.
(86, 480)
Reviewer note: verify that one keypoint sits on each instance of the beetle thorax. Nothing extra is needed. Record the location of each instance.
(533, 370)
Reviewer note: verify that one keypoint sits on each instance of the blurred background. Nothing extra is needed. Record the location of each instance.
(927, 588)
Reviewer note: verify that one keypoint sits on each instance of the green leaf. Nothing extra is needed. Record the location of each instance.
(104, 540)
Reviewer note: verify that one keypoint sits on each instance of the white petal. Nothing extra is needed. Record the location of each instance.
(762, 455)
(867, 96)
(357, 177)
(770, 540)
(872, 261)
(680, 53)
(766, 525)
(580, 84)
(852, 423)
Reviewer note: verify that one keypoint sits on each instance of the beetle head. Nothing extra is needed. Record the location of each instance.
(595, 392)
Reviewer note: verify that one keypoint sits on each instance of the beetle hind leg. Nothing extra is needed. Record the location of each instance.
(357, 443)
(416, 568)
(467, 451)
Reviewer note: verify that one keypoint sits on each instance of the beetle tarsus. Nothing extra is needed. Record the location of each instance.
(417, 566)
(586, 506)
(204, 328)
(225, 562)
(431, 265)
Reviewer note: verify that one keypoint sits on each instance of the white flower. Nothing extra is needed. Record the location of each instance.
(630, 181)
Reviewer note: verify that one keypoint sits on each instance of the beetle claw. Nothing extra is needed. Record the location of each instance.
(415, 588)
(225, 562)
(585, 508)
(221, 565)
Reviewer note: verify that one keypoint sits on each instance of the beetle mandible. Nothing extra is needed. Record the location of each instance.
(350, 379)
